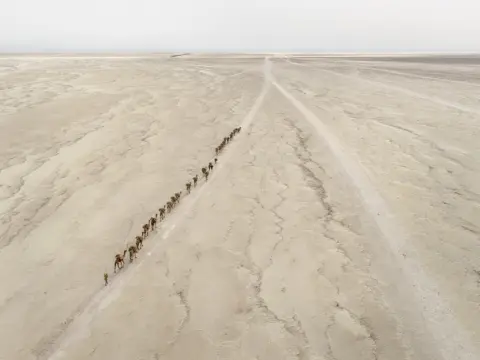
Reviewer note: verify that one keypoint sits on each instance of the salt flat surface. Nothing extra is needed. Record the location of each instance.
(341, 224)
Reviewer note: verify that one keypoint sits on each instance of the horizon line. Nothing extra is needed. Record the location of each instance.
(238, 52)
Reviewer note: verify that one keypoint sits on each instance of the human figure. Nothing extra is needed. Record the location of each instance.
(105, 277)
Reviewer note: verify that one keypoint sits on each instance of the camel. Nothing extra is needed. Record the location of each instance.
(132, 250)
(139, 242)
(195, 179)
(119, 261)
(205, 173)
(162, 212)
(169, 206)
(145, 230)
(153, 223)
(188, 186)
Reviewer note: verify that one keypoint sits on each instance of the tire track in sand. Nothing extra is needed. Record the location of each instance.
(78, 327)
(399, 89)
(413, 75)
(449, 338)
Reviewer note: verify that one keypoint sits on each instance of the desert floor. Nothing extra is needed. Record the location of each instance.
(342, 223)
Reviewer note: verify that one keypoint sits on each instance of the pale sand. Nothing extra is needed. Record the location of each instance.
(341, 224)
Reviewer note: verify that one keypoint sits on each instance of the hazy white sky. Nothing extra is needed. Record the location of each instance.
(243, 25)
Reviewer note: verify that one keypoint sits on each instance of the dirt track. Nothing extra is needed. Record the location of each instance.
(342, 223)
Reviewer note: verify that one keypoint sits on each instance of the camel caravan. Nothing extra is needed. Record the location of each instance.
(167, 208)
